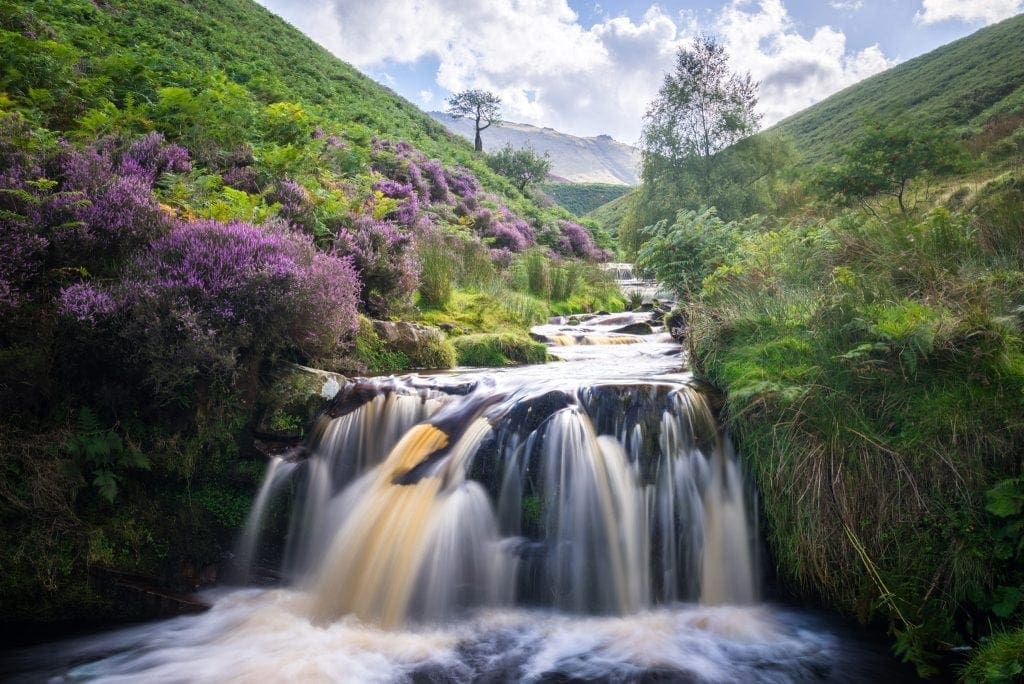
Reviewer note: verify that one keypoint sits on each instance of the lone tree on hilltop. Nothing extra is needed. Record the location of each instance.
(479, 105)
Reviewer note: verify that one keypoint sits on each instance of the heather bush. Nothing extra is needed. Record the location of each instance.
(296, 204)
(408, 205)
(385, 258)
(575, 240)
(209, 296)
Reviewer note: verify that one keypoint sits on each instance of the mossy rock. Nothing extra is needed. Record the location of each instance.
(293, 398)
(425, 346)
(498, 349)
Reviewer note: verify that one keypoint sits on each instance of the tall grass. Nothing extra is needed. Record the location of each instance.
(875, 377)
(438, 268)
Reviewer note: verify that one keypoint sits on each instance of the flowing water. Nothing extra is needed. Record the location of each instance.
(583, 520)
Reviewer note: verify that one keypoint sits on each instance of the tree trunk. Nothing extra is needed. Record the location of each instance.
(479, 142)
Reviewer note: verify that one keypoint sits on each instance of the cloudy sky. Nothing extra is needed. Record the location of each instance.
(587, 67)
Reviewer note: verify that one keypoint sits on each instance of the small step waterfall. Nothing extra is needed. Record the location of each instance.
(419, 501)
(580, 520)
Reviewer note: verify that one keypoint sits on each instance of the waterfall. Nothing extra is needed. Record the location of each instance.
(425, 501)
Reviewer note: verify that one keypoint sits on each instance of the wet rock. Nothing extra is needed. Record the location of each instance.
(678, 324)
(292, 399)
(537, 337)
(638, 328)
(624, 319)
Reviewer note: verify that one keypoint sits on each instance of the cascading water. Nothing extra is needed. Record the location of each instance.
(584, 519)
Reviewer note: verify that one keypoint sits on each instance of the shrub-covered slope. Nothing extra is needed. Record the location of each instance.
(961, 84)
(191, 194)
(580, 198)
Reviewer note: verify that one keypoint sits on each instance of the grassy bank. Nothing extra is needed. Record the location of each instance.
(875, 379)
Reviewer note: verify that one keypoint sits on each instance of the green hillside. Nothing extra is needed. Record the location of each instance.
(962, 84)
(193, 196)
(609, 216)
(95, 66)
(580, 198)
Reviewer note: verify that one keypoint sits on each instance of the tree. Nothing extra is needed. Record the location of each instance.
(884, 162)
(479, 105)
(701, 109)
(698, 148)
(523, 166)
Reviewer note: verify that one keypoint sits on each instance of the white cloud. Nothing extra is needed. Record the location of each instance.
(426, 97)
(551, 70)
(794, 71)
(846, 5)
(970, 11)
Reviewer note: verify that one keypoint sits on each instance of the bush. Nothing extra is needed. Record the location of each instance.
(1000, 659)
(498, 349)
(208, 295)
(384, 256)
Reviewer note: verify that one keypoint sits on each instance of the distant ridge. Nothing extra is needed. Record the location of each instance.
(600, 159)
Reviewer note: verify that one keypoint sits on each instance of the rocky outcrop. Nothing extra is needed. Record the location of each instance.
(424, 345)
(293, 398)
(638, 328)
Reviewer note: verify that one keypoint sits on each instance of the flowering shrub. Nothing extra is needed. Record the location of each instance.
(409, 205)
(434, 172)
(575, 240)
(503, 230)
(383, 255)
(151, 156)
(86, 303)
(208, 294)
(296, 204)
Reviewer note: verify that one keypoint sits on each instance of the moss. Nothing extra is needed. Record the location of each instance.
(434, 353)
(371, 351)
(498, 349)
(999, 660)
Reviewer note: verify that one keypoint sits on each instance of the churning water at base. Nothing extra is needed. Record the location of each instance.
(568, 522)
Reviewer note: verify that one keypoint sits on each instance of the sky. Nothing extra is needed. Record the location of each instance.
(590, 68)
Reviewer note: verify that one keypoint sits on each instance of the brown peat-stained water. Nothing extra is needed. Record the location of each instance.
(583, 520)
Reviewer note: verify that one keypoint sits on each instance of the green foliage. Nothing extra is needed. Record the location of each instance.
(875, 377)
(962, 84)
(104, 452)
(371, 351)
(999, 660)
(580, 198)
(524, 167)
(682, 254)
(498, 349)
(884, 161)
(438, 268)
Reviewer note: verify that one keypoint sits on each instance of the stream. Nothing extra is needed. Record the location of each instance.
(581, 520)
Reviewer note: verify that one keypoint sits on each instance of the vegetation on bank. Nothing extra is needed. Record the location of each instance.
(865, 320)
(179, 214)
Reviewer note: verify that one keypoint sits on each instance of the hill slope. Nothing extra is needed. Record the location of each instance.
(580, 160)
(191, 194)
(963, 83)
(132, 49)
